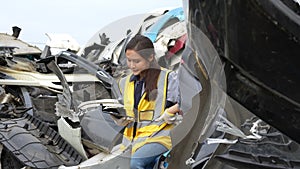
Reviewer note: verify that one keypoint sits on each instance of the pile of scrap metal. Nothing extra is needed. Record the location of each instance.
(166, 28)
(236, 115)
(54, 105)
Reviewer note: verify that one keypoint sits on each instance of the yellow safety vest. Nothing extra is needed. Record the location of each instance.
(147, 130)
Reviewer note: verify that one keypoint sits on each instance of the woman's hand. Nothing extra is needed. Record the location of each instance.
(168, 117)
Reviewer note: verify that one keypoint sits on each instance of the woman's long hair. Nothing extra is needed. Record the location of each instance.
(144, 47)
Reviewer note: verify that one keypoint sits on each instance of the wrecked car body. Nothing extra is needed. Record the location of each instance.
(258, 101)
(230, 119)
(39, 127)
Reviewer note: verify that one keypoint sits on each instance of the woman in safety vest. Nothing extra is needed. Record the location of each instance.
(151, 100)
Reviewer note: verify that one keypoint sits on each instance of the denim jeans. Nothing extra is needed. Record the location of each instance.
(144, 157)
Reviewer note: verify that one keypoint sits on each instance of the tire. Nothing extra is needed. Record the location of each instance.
(9, 161)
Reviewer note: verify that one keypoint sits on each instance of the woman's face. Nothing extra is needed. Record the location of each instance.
(136, 62)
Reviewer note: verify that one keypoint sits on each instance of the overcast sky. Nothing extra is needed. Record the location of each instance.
(79, 18)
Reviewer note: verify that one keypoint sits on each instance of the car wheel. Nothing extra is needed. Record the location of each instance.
(9, 161)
